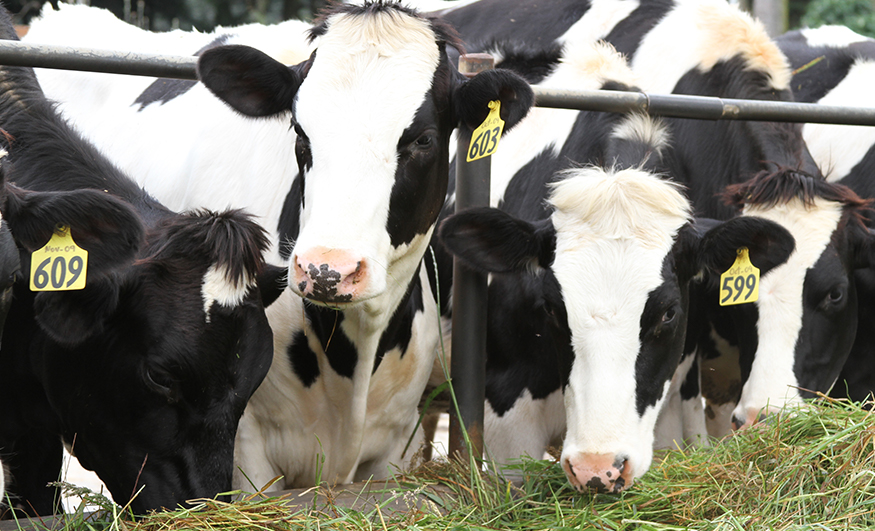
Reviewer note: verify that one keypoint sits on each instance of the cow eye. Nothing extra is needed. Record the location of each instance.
(424, 141)
(162, 385)
(835, 296)
(669, 316)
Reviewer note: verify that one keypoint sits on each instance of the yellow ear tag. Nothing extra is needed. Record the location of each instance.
(741, 283)
(484, 139)
(59, 266)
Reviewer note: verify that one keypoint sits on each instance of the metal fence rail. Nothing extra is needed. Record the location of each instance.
(14, 53)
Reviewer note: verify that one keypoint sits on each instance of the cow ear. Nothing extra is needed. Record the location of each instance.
(105, 226)
(864, 245)
(768, 243)
(249, 80)
(472, 98)
(271, 283)
(71, 317)
(490, 240)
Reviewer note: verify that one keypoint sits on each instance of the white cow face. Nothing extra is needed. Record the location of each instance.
(373, 109)
(613, 264)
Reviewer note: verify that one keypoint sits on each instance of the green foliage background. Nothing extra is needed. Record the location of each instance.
(859, 15)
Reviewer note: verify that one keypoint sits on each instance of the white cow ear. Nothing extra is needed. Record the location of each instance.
(490, 240)
(250, 81)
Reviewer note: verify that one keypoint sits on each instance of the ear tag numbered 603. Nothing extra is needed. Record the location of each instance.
(740, 284)
(484, 139)
(59, 266)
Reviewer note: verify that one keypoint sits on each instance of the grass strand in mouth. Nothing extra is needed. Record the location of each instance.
(806, 467)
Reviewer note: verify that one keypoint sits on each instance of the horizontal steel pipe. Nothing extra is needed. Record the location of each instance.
(14, 53)
(702, 107)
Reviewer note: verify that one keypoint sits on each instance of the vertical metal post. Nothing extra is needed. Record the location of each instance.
(468, 363)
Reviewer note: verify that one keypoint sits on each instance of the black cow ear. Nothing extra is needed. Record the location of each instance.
(105, 226)
(71, 317)
(472, 98)
(768, 243)
(490, 240)
(863, 242)
(271, 283)
(249, 80)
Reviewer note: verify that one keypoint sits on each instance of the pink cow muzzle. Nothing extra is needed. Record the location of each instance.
(330, 275)
(598, 472)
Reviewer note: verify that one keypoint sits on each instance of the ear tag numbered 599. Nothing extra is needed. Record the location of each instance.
(741, 283)
(59, 266)
(484, 139)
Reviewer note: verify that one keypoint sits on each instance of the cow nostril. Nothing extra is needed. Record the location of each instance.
(737, 423)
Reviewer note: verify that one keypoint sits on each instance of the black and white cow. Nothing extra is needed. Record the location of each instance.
(592, 253)
(707, 48)
(836, 66)
(146, 370)
(372, 111)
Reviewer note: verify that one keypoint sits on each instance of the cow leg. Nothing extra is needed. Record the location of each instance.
(34, 461)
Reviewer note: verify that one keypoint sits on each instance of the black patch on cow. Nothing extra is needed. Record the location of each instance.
(860, 180)
(341, 353)
(290, 217)
(164, 89)
(690, 386)
(713, 154)
(422, 172)
(534, 65)
(663, 317)
(818, 69)
(626, 36)
(400, 329)
(528, 339)
(829, 319)
(304, 362)
(497, 24)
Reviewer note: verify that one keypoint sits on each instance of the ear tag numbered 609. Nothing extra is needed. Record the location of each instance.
(741, 283)
(484, 139)
(59, 266)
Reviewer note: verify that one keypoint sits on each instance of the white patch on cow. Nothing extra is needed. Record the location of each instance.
(370, 76)
(598, 21)
(681, 423)
(527, 428)
(772, 382)
(838, 148)
(613, 232)
(644, 129)
(217, 286)
(697, 34)
(832, 36)
(350, 421)
(584, 66)
(184, 176)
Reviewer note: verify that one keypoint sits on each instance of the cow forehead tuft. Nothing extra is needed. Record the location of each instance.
(733, 32)
(221, 286)
(630, 203)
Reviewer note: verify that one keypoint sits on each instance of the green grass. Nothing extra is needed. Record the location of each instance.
(810, 467)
